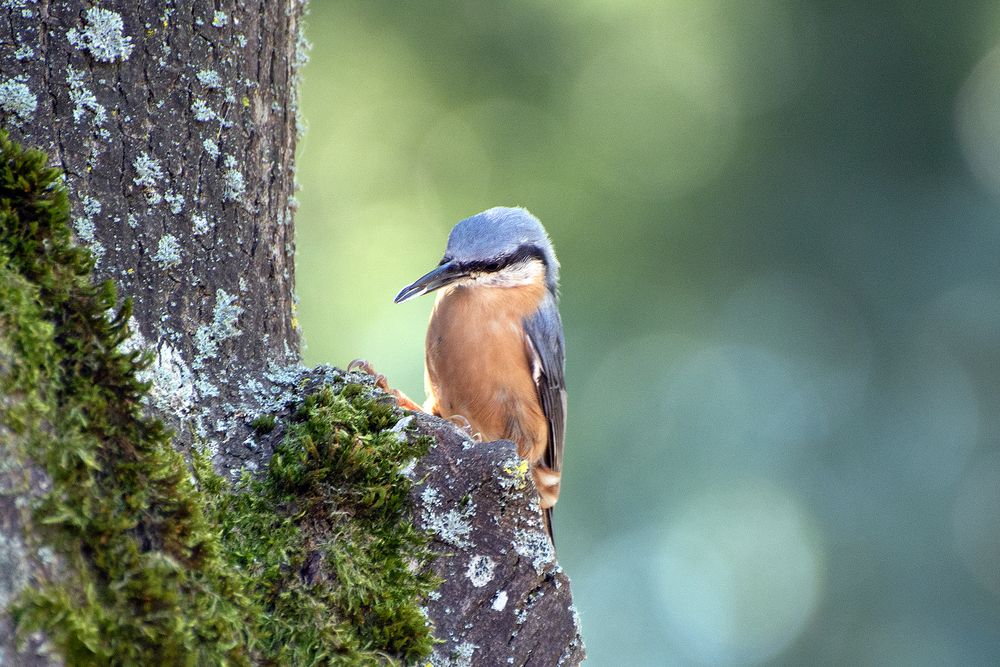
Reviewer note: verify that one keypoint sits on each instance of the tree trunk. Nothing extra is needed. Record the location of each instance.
(175, 125)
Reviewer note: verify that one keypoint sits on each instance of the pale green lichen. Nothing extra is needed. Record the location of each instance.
(232, 180)
(202, 112)
(91, 206)
(480, 570)
(85, 228)
(170, 381)
(82, 98)
(460, 656)
(207, 338)
(452, 525)
(209, 78)
(220, 19)
(102, 35)
(16, 99)
(302, 47)
(233, 185)
(148, 174)
(168, 251)
(211, 148)
(16, 4)
(536, 547)
(85, 231)
(200, 223)
(13, 574)
(175, 201)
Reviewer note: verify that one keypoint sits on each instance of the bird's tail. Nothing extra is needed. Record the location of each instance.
(547, 518)
(547, 482)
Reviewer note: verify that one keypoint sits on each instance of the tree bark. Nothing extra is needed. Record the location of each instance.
(175, 124)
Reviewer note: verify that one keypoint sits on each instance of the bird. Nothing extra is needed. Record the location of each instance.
(494, 351)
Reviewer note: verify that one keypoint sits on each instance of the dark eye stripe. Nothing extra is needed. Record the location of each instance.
(522, 254)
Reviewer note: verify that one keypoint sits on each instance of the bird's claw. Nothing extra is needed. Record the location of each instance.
(365, 367)
(402, 400)
(463, 423)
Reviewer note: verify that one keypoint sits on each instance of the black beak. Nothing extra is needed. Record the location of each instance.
(443, 275)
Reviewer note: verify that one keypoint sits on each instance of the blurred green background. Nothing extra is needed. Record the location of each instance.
(779, 224)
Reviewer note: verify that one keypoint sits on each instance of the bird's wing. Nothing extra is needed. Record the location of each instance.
(545, 337)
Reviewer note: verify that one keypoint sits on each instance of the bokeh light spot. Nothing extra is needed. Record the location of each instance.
(740, 573)
(976, 520)
(929, 423)
(655, 121)
(979, 120)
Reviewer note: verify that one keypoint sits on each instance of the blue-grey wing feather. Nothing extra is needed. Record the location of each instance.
(545, 332)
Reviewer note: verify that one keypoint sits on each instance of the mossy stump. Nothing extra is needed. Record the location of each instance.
(140, 557)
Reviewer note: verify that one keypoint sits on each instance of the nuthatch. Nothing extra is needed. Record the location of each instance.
(494, 349)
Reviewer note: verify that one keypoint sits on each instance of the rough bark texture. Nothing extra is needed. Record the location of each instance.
(175, 124)
(504, 599)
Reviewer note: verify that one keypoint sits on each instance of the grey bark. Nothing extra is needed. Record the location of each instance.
(504, 600)
(175, 124)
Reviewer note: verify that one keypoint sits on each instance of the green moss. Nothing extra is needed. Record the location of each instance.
(263, 423)
(308, 565)
(324, 542)
(139, 561)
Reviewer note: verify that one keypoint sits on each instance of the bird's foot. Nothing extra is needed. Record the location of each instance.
(366, 367)
(464, 424)
(402, 400)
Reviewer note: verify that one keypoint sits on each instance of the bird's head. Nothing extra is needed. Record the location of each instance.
(500, 247)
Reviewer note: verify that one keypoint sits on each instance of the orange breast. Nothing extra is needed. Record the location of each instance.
(477, 363)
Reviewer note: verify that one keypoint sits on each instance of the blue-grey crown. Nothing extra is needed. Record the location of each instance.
(499, 237)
